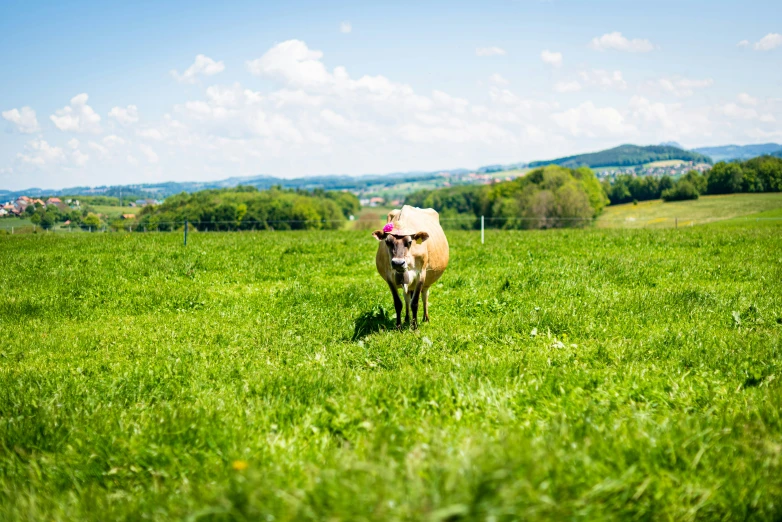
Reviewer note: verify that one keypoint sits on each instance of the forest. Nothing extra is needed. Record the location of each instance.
(761, 174)
(247, 208)
(626, 155)
(548, 197)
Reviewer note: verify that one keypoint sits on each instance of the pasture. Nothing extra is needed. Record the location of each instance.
(568, 374)
(706, 209)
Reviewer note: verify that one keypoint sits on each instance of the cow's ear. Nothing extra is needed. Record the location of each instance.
(379, 235)
(420, 237)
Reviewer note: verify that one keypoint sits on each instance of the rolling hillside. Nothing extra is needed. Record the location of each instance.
(626, 156)
(740, 152)
(706, 209)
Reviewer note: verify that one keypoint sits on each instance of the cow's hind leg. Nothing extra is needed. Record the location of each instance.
(414, 306)
(425, 297)
(397, 304)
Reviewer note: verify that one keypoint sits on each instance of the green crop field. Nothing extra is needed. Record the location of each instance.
(566, 375)
(706, 209)
(664, 163)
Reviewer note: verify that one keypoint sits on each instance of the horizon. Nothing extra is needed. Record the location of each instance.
(180, 93)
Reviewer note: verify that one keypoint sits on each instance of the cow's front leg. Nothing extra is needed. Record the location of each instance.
(408, 297)
(397, 304)
(414, 305)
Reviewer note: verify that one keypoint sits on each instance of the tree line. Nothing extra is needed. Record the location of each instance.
(247, 208)
(548, 197)
(761, 174)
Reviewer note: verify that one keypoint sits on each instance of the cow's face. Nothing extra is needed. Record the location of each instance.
(399, 247)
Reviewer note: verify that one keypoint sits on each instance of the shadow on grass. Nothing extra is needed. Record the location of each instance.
(372, 321)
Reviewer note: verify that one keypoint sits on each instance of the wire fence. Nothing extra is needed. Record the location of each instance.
(463, 223)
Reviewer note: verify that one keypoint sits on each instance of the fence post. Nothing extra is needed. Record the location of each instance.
(481, 230)
(676, 222)
(185, 232)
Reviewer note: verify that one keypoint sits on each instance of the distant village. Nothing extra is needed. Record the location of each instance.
(19, 206)
(673, 171)
(393, 194)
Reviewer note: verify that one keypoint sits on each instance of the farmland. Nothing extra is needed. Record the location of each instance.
(706, 209)
(570, 374)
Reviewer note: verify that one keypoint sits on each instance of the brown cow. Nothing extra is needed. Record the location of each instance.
(412, 255)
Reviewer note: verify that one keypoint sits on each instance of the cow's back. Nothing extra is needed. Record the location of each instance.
(436, 247)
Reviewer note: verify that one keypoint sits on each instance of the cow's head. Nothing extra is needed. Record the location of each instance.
(399, 242)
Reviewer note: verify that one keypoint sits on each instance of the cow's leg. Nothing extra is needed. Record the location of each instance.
(408, 297)
(397, 304)
(425, 297)
(414, 306)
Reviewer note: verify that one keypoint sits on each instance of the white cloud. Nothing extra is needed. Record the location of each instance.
(125, 116)
(551, 58)
(733, 110)
(603, 79)
(746, 99)
(73, 143)
(149, 153)
(23, 118)
(682, 87)
(573, 86)
(202, 66)
(618, 42)
(345, 27)
(291, 61)
(40, 153)
(743, 43)
(113, 141)
(498, 79)
(94, 145)
(78, 117)
(490, 51)
(79, 158)
(768, 42)
(591, 121)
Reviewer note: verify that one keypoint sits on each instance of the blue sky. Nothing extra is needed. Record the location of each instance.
(108, 92)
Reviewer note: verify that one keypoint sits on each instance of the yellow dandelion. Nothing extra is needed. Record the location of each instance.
(239, 465)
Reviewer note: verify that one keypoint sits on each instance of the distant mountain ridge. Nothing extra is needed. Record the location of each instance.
(626, 156)
(740, 152)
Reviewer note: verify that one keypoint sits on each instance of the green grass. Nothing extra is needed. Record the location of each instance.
(7, 222)
(566, 375)
(115, 211)
(664, 163)
(706, 209)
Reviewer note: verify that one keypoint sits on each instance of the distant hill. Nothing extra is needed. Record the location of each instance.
(262, 182)
(626, 156)
(739, 152)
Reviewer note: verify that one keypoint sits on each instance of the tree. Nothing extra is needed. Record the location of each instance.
(683, 190)
(725, 178)
(91, 220)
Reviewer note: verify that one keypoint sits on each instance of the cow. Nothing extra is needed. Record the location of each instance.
(412, 254)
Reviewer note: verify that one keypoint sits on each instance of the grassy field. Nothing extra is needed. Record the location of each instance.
(115, 211)
(572, 374)
(706, 209)
(664, 163)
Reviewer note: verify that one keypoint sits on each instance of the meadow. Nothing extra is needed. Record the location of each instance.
(566, 374)
(706, 209)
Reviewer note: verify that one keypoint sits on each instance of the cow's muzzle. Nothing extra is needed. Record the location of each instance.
(398, 264)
